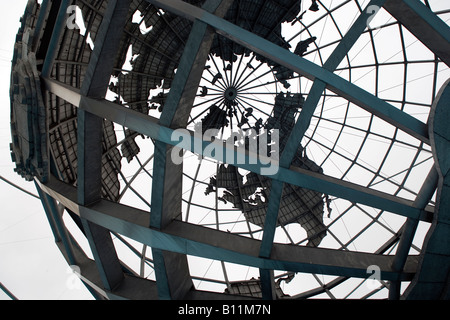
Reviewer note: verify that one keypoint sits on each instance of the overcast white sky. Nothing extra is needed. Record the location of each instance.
(31, 266)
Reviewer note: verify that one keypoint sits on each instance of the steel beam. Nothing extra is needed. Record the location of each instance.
(90, 139)
(88, 102)
(270, 223)
(175, 115)
(58, 30)
(423, 24)
(150, 127)
(284, 57)
(302, 124)
(409, 229)
(209, 243)
(131, 287)
(51, 220)
(171, 269)
(433, 277)
(7, 292)
(44, 11)
(319, 86)
(56, 224)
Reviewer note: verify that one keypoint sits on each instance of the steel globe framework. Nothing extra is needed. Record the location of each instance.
(356, 90)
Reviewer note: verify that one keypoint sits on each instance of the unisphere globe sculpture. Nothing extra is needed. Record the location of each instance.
(208, 149)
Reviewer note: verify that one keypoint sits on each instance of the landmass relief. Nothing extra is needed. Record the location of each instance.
(298, 204)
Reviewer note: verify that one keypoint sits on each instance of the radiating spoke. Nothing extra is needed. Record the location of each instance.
(241, 85)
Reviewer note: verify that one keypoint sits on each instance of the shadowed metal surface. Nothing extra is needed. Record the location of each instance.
(99, 89)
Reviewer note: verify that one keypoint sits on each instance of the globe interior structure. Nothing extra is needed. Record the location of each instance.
(346, 100)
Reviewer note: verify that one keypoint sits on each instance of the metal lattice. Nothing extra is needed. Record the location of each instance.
(352, 88)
